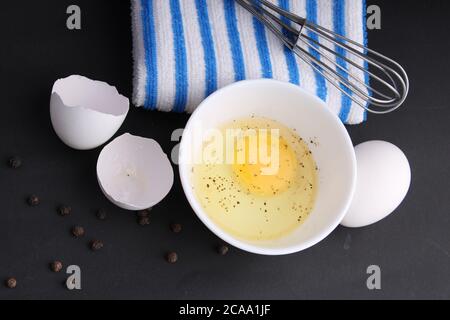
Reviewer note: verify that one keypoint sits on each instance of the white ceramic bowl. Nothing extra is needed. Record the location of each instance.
(332, 149)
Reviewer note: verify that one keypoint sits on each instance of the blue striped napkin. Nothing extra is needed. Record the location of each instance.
(186, 49)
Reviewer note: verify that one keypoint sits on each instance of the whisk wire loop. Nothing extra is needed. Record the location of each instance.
(380, 86)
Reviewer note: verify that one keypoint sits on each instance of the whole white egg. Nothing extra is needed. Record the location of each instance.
(384, 177)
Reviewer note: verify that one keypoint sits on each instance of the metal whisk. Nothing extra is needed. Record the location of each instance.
(381, 88)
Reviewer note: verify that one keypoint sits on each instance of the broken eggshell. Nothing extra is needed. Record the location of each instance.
(86, 113)
(134, 172)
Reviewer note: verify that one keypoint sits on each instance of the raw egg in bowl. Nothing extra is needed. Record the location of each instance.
(267, 167)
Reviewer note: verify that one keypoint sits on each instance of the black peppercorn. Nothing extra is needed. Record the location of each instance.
(15, 162)
(101, 214)
(144, 221)
(222, 250)
(78, 231)
(172, 257)
(175, 227)
(56, 266)
(96, 245)
(64, 211)
(143, 213)
(11, 283)
(33, 200)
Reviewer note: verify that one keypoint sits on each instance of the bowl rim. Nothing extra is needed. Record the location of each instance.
(225, 236)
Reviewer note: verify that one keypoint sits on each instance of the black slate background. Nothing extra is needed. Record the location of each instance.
(412, 246)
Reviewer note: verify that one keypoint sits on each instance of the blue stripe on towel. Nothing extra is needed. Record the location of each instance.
(208, 47)
(311, 14)
(366, 43)
(339, 27)
(263, 48)
(294, 76)
(234, 39)
(180, 57)
(151, 85)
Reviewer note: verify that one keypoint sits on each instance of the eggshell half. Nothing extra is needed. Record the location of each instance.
(86, 113)
(134, 173)
(384, 177)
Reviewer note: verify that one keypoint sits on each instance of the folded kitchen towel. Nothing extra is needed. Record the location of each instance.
(186, 49)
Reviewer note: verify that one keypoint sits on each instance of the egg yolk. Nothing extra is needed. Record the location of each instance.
(269, 174)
